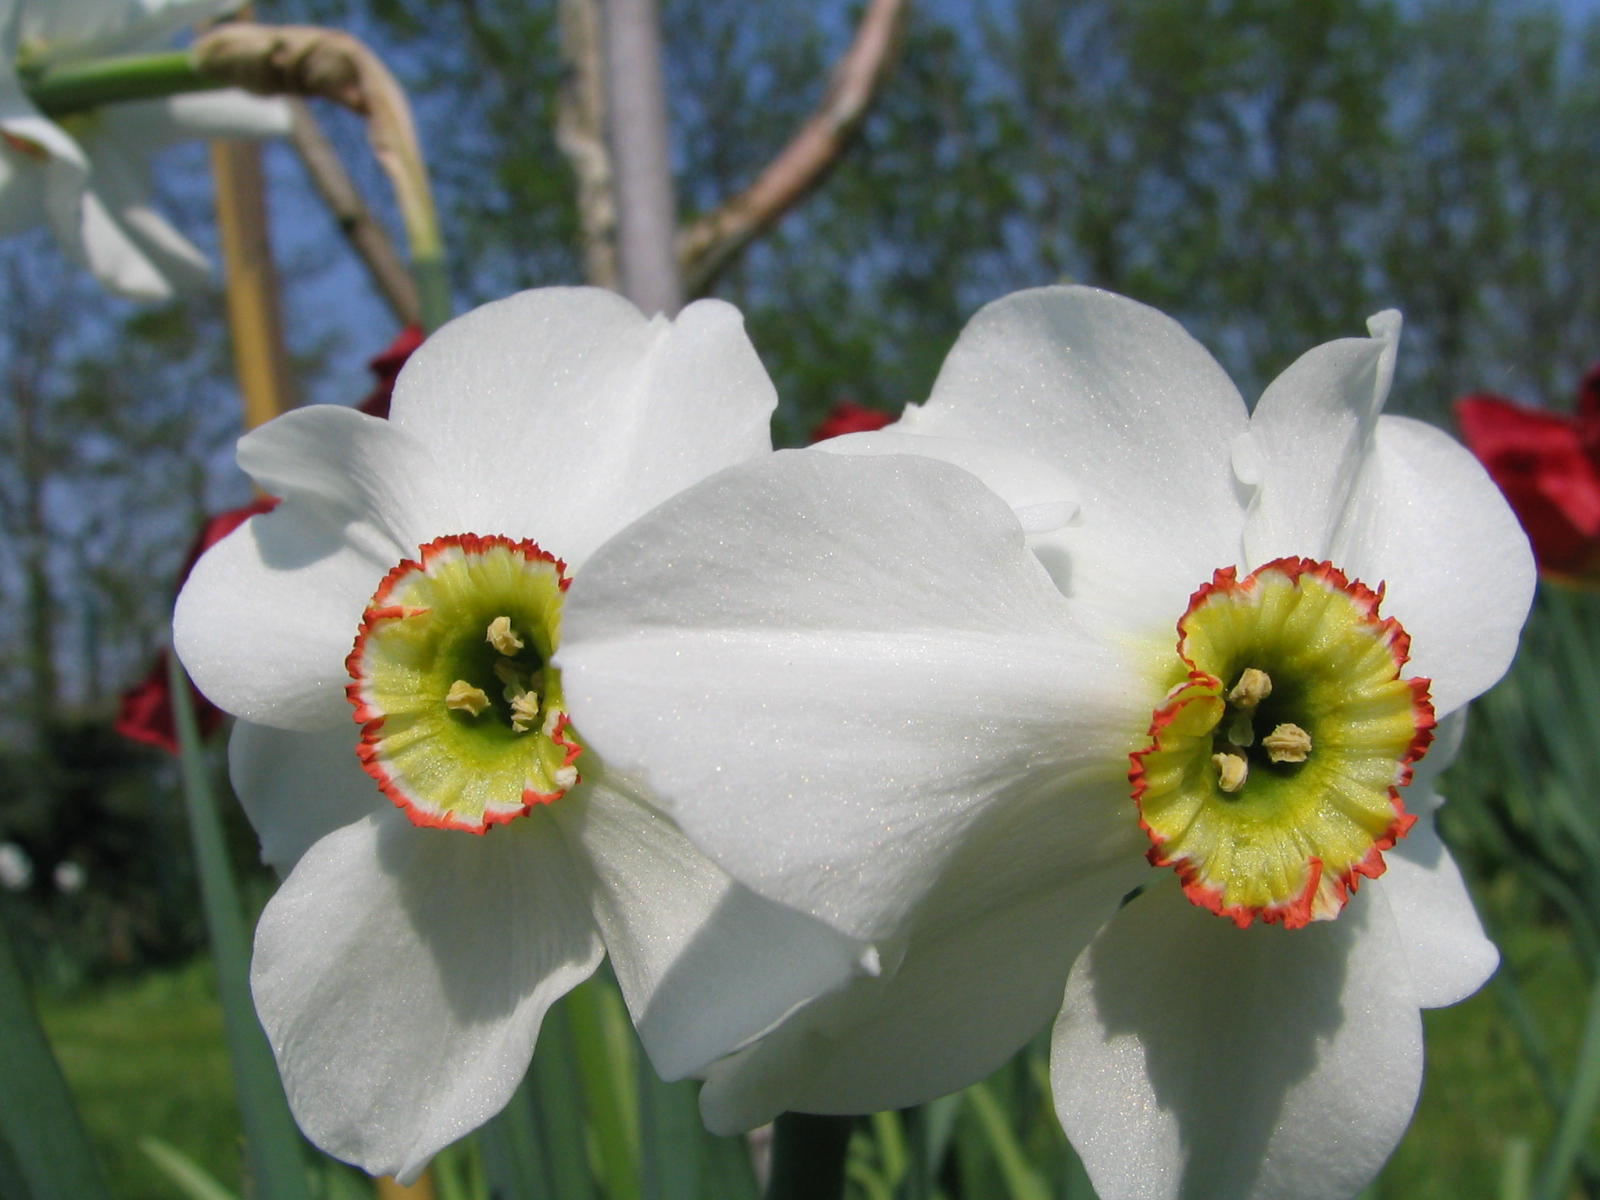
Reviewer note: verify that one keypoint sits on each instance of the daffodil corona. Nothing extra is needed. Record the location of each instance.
(1083, 612)
(463, 724)
(1274, 794)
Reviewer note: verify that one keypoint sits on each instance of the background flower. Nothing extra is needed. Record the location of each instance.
(1548, 465)
(88, 177)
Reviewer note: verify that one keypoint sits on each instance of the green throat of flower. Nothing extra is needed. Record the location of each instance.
(462, 720)
(1272, 774)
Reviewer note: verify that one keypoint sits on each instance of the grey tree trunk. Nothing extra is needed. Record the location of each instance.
(636, 114)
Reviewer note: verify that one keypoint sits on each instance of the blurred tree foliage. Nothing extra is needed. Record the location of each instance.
(115, 422)
(1271, 174)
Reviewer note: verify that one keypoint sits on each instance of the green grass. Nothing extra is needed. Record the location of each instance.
(1479, 1094)
(146, 1058)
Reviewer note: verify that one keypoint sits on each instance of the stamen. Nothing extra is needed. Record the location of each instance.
(1232, 771)
(516, 682)
(525, 711)
(463, 697)
(1288, 743)
(1253, 687)
(502, 637)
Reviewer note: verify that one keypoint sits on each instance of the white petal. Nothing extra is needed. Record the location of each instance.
(1448, 735)
(268, 616)
(1128, 405)
(90, 232)
(829, 669)
(73, 30)
(1460, 576)
(564, 413)
(981, 973)
(1431, 917)
(121, 185)
(230, 113)
(358, 473)
(401, 975)
(1310, 435)
(20, 119)
(1196, 1060)
(1030, 484)
(291, 809)
(704, 963)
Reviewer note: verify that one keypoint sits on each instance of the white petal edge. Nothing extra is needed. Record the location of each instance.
(1460, 576)
(402, 974)
(361, 474)
(1119, 398)
(1310, 436)
(564, 413)
(269, 614)
(1430, 915)
(981, 972)
(705, 964)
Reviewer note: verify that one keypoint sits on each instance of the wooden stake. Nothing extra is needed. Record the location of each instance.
(260, 356)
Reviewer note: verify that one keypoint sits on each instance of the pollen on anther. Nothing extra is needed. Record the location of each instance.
(502, 637)
(1287, 743)
(463, 697)
(1232, 771)
(525, 711)
(1254, 686)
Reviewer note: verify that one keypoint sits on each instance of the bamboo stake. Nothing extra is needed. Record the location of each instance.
(260, 355)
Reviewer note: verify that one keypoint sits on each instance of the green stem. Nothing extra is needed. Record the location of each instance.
(433, 288)
(272, 1142)
(808, 1157)
(72, 89)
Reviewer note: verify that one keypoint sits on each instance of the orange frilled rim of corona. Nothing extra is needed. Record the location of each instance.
(463, 725)
(1271, 780)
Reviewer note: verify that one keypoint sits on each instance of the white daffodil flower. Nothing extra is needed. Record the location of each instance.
(456, 858)
(88, 176)
(1172, 649)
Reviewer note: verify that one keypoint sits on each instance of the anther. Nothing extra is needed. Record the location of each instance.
(1253, 687)
(463, 697)
(502, 637)
(525, 711)
(1232, 771)
(1287, 743)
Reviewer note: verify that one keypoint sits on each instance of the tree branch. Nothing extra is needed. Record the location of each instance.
(355, 220)
(293, 60)
(710, 243)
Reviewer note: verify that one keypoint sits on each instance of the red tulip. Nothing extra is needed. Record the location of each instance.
(1548, 466)
(849, 417)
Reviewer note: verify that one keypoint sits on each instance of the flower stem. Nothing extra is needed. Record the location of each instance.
(808, 1154)
(76, 88)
